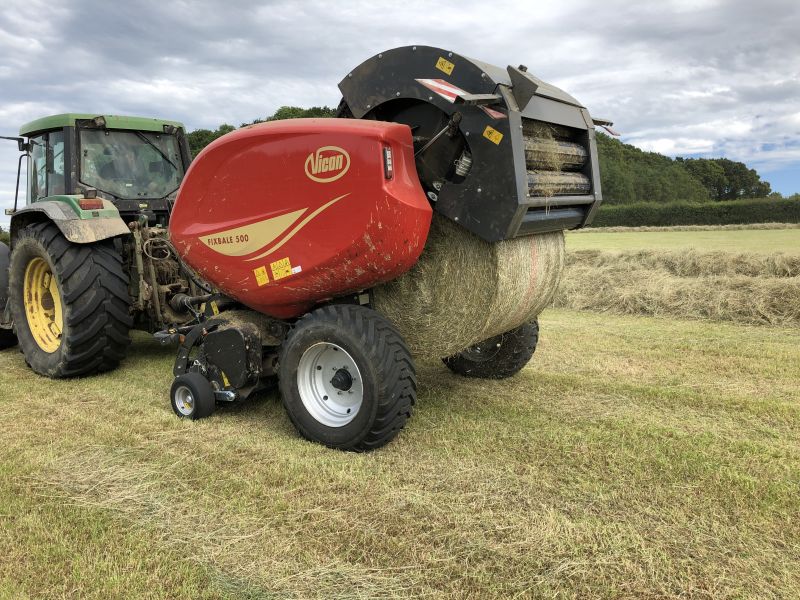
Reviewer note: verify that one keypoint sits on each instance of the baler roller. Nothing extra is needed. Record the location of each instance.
(556, 183)
(554, 155)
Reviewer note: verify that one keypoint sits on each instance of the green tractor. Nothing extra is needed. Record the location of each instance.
(90, 258)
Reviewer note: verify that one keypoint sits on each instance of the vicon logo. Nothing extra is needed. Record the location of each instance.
(327, 164)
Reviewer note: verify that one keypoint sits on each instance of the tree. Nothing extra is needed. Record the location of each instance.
(628, 174)
(200, 138)
(295, 112)
(726, 179)
(741, 181)
(709, 173)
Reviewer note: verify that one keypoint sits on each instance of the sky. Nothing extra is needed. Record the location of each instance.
(714, 78)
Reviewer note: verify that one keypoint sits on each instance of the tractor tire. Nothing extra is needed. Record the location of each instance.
(498, 357)
(69, 303)
(7, 337)
(347, 378)
(192, 396)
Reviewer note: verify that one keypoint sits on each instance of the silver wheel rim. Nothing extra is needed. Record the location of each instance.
(184, 400)
(330, 384)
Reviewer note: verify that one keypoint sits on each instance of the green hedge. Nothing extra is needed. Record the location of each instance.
(734, 212)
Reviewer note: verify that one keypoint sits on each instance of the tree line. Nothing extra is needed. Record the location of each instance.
(627, 174)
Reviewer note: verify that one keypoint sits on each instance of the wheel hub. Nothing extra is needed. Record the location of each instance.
(184, 400)
(330, 385)
(342, 380)
(43, 308)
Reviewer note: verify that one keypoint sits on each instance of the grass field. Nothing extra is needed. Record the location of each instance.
(739, 275)
(742, 240)
(634, 457)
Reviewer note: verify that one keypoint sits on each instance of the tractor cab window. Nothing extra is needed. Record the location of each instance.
(47, 165)
(130, 164)
(55, 163)
(38, 168)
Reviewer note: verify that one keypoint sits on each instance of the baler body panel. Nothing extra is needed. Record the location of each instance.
(284, 215)
(501, 196)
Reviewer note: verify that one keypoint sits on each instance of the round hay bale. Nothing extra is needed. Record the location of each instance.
(464, 290)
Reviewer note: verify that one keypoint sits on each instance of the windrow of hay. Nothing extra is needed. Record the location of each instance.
(760, 290)
(688, 228)
(464, 290)
(690, 262)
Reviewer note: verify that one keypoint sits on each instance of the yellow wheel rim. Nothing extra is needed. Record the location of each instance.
(43, 305)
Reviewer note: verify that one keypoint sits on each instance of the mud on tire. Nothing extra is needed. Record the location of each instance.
(499, 357)
(357, 350)
(93, 289)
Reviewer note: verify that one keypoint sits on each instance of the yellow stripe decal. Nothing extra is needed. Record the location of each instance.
(250, 238)
(297, 228)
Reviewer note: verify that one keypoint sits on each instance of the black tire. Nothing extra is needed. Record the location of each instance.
(499, 357)
(388, 381)
(192, 396)
(93, 289)
(7, 337)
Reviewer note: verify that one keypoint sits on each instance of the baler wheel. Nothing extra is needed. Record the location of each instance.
(498, 357)
(347, 378)
(69, 303)
(192, 396)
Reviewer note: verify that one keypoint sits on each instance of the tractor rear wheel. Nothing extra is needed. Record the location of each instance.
(498, 357)
(347, 378)
(7, 337)
(69, 303)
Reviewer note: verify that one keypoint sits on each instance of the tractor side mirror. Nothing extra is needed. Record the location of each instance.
(21, 143)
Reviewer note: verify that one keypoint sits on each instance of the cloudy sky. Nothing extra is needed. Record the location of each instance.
(682, 77)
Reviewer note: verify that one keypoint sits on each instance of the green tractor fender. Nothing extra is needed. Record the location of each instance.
(78, 225)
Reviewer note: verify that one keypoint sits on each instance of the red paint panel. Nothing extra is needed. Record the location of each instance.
(283, 215)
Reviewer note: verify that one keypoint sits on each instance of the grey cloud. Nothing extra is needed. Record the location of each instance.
(724, 75)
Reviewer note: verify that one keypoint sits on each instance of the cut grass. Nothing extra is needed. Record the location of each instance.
(620, 229)
(634, 457)
(741, 240)
(639, 272)
(758, 289)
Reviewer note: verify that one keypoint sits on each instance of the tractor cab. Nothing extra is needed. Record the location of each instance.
(135, 163)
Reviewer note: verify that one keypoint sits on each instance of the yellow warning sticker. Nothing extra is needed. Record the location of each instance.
(491, 134)
(261, 276)
(281, 268)
(213, 305)
(444, 65)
